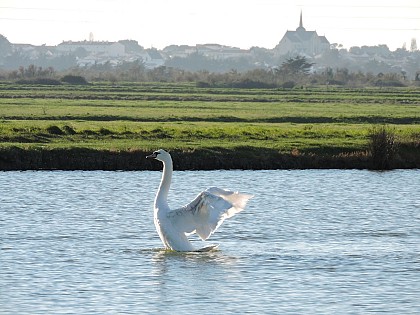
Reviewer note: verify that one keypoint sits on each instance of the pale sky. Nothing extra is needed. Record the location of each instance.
(242, 23)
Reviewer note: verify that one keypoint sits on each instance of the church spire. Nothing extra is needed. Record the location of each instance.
(301, 28)
(300, 22)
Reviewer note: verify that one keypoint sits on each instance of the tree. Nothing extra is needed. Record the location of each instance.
(133, 71)
(31, 71)
(5, 46)
(81, 52)
(295, 67)
(413, 46)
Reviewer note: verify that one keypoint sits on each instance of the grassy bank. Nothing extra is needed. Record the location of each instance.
(113, 127)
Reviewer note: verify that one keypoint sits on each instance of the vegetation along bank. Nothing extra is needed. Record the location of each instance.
(105, 126)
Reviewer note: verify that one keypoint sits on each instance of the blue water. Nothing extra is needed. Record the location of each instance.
(309, 242)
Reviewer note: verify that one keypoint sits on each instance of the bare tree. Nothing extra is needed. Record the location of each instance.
(413, 46)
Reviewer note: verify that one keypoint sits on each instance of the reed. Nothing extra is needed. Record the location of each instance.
(383, 147)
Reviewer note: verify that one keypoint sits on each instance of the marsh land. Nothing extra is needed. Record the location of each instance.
(113, 126)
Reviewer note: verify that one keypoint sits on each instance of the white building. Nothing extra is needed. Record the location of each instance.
(112, 49)
(221, 52)
(212, 51)
(154, 59)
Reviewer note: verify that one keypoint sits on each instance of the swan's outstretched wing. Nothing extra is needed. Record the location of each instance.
(207, 211)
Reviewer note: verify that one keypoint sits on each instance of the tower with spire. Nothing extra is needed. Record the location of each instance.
(300, 28)
(302, 42)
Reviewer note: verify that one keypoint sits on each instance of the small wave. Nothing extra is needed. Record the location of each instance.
(379, 233)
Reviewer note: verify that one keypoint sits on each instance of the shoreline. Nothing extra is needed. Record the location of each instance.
(17, 159)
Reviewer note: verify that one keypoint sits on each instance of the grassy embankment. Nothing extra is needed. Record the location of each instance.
(112, 127)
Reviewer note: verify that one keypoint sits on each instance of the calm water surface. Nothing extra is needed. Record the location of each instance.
(310, 242)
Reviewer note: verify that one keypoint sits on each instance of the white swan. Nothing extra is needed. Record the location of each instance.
(203, 215)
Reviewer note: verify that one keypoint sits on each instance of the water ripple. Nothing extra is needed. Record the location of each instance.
(323, 241)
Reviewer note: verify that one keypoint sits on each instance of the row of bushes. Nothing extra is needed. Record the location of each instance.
(69, 79)
(256, 78)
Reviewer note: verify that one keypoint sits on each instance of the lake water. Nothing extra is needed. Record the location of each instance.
(309, 242)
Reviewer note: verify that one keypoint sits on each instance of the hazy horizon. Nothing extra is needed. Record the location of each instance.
(242, 24)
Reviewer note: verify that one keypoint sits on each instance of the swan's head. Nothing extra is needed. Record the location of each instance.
(160, 155)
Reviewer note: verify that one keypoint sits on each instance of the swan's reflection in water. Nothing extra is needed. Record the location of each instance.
(165, 261)
(194, 275)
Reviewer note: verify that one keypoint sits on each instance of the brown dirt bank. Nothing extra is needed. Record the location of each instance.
(200, 159)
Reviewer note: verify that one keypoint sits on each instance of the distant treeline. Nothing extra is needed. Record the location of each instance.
(294, 72)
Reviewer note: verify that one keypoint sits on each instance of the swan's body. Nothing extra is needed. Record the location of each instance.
(203, 215)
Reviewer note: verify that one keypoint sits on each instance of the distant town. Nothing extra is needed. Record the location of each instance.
(316, 49)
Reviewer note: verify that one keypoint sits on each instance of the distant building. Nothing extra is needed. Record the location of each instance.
(221, 52)
(113, 49)
(302, 42)
(33, 52)
(211, 51)
(154, 59)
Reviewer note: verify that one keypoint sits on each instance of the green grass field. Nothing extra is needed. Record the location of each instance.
(182, 116)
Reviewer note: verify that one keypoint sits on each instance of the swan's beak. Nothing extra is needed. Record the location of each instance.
(152, 156)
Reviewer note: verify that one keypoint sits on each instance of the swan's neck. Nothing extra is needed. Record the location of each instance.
(165, 184)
